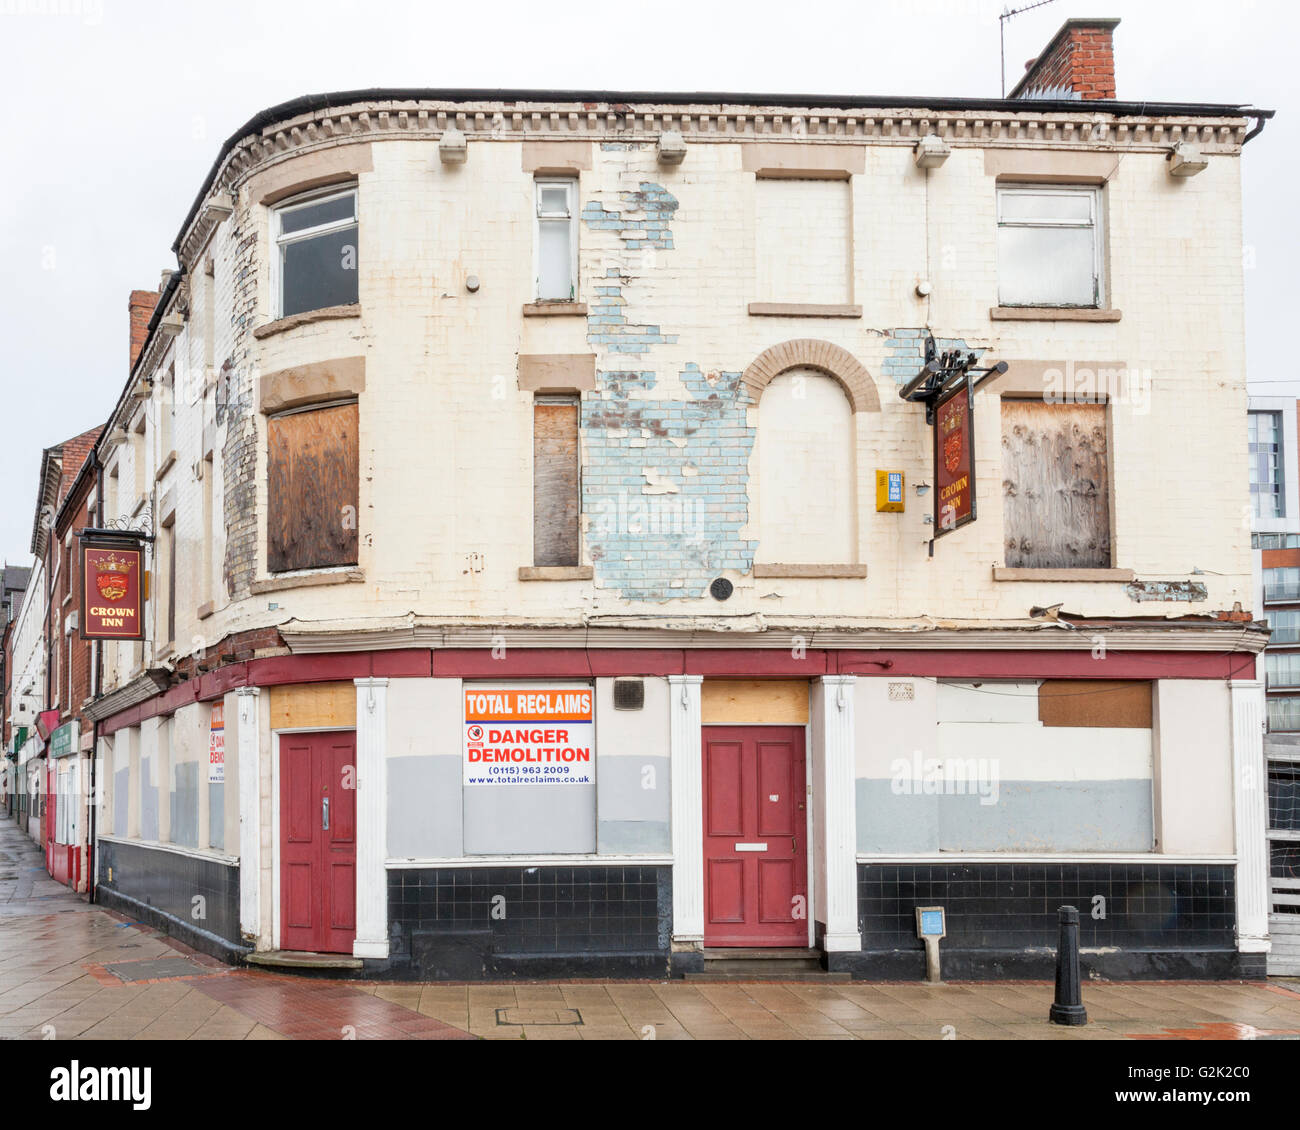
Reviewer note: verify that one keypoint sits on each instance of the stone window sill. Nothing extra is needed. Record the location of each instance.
(165, 652)
(167, 464)
(804, 310)
(306, 580)
(555, 309)
(1003, 573)
(206, 609)
(556, 572)
(1052, 314)
(856, 572)
(306, 318)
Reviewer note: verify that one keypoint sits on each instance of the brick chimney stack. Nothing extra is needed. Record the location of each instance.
(141, 306)
(1079, 62)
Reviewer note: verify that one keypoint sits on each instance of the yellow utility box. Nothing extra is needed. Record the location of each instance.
(889, 490)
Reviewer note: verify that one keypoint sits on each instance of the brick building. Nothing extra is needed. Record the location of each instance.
(549, 575)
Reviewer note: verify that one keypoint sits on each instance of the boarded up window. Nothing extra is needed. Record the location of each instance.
(1114, 703)
(555, 481)
(1056, 485)
(312, 489)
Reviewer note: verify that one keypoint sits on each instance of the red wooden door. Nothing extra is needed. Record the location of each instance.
(755, 836)
(318, 842)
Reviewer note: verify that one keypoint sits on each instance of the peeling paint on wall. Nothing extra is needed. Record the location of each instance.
(608, 327)
(644, 220)
(1166, 590)
(905, 352)
(665, 515)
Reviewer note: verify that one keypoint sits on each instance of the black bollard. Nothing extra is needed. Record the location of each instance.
(1068, 1006)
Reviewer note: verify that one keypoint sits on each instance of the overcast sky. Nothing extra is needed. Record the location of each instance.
(114, 110)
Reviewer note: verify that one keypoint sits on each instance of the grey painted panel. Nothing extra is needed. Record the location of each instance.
(505, 819)
(217, 816)
(621, 792)
(1028, 816)
(185, 805)
(629, 837)
(890, 823)
(121, 800)
(424, 807)
(148, 801)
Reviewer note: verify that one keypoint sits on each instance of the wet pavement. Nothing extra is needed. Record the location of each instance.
(69, 970)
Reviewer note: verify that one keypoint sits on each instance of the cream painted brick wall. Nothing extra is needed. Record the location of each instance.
(446, 489)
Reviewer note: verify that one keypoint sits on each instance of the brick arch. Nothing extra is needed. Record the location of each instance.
(811, 353)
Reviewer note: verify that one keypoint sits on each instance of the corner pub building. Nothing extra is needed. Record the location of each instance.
(531, 594)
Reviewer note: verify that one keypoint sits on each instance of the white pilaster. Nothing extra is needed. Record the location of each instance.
(372, 818)
(833, 778)
(249, 762)
(1251, 792)
(686, 754)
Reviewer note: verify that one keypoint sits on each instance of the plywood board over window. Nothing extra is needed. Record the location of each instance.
(1056, 485)
(555, 481)
(1111, 703)
(312, 488)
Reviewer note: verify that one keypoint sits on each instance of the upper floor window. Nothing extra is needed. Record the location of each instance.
(1266, 463)
(312, 469)
(556, 487)
(1055, 485)
(557, 239)
(1049, 246)
(315, 259)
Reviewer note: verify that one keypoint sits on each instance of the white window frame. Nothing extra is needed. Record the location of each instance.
(570, 184)
(1096, 222)
(280, 241)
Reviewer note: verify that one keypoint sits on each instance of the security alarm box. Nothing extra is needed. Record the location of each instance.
(889, 490)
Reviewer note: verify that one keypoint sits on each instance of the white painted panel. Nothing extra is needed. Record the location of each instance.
(890, 729)
(632, 733)
(988, 702)
(1194, 794)
(803, 241)
(1030, 752)
(806, 471)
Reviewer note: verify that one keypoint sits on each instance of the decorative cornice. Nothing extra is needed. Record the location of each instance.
(486, 120)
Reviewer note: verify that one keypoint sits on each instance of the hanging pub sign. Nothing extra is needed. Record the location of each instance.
(112, 589)
(946, 386)
(954, 459)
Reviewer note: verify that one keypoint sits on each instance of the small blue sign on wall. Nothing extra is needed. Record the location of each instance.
(895, 486)
(929, 922)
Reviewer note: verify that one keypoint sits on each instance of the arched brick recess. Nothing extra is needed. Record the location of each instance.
(810, 353)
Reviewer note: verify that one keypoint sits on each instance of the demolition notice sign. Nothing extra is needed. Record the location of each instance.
(217, 745)
(538, 736)
(954, 460)
(112, 588)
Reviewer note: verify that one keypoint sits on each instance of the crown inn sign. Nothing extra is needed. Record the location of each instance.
(946, 386)
(112, 586)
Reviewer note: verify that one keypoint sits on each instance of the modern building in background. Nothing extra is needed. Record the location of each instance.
(1275, 507)
(553, 570)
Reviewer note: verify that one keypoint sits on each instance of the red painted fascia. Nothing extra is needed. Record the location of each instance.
(743, 663)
